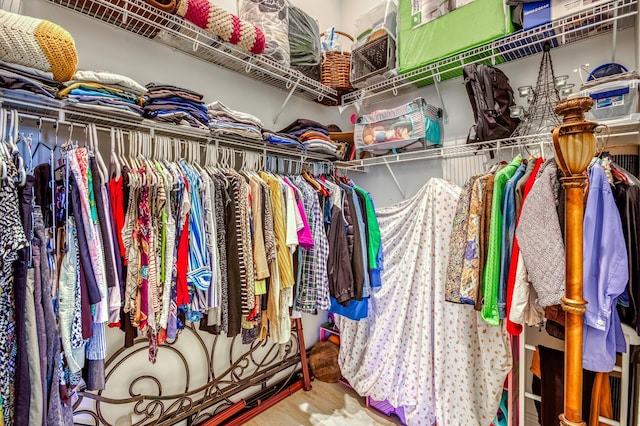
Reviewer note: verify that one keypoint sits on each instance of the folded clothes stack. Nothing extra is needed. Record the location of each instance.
(104, 91)
(282, 139)
(225, 121)
(176, 105)
(18, 77)
(313, 136)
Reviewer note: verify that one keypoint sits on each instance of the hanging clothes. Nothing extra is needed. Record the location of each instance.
(627, 196)
(491, 283)
(605, 275)
(540, 237)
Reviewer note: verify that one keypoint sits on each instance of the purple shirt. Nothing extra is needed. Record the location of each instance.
(605, 275)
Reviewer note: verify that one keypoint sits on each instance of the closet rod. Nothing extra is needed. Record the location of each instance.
(456, 148)
(230, 143)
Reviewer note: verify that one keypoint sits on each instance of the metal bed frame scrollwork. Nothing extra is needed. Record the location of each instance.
(196, 378)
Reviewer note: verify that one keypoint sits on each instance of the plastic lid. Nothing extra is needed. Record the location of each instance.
(606, 70)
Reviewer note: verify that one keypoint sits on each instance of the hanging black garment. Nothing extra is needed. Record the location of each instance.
(338, 265)
(83, 245)
(628, 202)
(107, 248)
(233, 264)
(22, 383)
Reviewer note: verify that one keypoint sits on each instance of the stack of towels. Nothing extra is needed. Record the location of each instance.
(225, 121)
(312, 135)
(18, 77)
(176, 105)
(104, 91)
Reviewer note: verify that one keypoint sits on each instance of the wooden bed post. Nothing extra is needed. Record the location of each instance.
(306, 376)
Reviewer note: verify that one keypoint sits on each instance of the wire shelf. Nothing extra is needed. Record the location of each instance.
(602, 19)
(457, 148)
(38, 107)
(142, 19)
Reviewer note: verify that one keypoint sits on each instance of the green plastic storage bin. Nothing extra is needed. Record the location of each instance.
(464, 28)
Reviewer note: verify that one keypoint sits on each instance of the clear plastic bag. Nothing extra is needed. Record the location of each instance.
(304, 38)
(272, 17)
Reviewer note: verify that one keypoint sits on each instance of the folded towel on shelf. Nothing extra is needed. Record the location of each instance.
(110, 79)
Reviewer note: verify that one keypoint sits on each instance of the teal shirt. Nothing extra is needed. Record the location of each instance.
(491, 282)
(373, 237)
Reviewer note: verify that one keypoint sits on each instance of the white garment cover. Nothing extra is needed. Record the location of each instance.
(437, 359)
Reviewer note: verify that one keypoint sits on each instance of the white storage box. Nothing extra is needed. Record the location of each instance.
(383, 16)
(613, 100)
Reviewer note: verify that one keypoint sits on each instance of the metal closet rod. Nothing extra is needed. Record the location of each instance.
(303, 157)
(452, 149)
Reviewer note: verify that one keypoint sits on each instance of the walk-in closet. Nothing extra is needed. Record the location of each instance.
(340, 212)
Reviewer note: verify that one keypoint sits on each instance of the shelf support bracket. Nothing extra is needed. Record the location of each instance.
(436, 80)
(293, 87)
(125, 14)
(614, 35)
(393, 175)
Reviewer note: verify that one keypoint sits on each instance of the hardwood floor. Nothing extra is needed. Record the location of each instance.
(327, 404)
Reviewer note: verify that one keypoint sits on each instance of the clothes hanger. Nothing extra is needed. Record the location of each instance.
(120, 149)
(4, 155)
(135, 180)
(39, 143)
(13, 149)
(145, 152)
(114, 163)
(102, 167)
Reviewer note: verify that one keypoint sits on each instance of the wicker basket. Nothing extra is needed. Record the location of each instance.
(336, 67)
